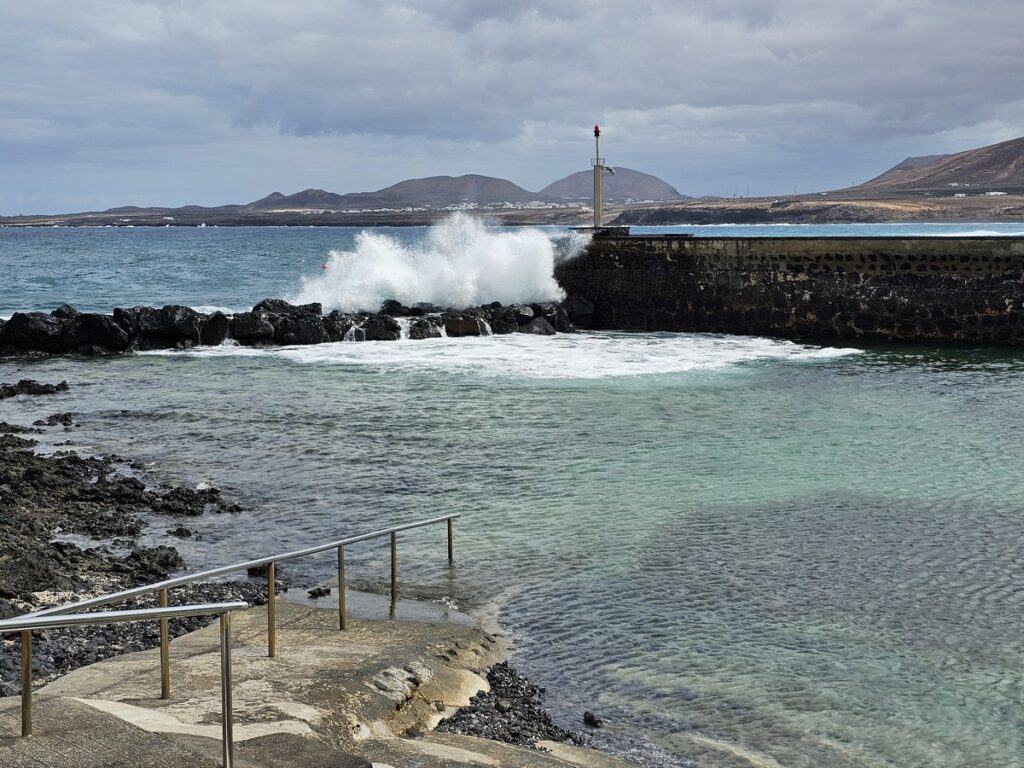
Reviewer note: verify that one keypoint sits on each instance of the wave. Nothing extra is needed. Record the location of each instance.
(459, 263)
(596, 355)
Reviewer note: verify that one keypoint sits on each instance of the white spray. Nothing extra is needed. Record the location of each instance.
(460, 263)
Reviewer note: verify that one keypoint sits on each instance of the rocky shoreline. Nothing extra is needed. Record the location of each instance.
(512, 711)
(70, 528)
(272, 322)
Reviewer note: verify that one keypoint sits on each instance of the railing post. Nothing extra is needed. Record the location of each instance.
(451, 542)
(227, 720)
(26, 683)
(394, 572)
(342, 621)
(165, 651)
(271, 611)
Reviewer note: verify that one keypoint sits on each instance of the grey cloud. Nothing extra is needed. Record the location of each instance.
(690, 83)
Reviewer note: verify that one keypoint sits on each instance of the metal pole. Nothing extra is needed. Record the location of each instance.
(227, 724)
(598, 170)
(271, 611)
(341, 588)
(394, 572)
(26, 683)
(165, 652)
(451, 542)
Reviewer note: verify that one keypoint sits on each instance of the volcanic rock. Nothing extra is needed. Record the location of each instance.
(250, 328)
(65, 312)
(34, 331)
(395, 309)
(424, 328)
(463, 324)
(538, 326)
(169, 326)
(381, 328)
(337, 324)
(511, 711)
(282, 307)
(299, 328)
(66, 420)
(214, 330)
(90, 329)
(31, 387)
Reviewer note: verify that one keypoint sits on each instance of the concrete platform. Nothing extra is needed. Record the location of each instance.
(329, 698)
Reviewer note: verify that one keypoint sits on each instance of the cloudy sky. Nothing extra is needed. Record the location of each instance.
(105, 103)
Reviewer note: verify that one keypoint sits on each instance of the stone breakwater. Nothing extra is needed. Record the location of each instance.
(921, 289)
(271, 322)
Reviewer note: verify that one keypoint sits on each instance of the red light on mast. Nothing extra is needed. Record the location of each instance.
(597, 130)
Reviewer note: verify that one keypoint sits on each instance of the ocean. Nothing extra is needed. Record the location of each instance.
(745, 550)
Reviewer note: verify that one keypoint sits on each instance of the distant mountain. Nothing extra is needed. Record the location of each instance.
(625, 184)
(440, 192)
(995, 167)
(433, 191)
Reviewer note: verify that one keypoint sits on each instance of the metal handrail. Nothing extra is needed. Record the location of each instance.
(223, 570)
(25, 625)
(66, 615)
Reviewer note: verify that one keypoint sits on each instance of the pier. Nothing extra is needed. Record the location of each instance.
(910, 289)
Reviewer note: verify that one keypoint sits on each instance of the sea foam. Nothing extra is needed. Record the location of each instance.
(460, 262)
(595, 355)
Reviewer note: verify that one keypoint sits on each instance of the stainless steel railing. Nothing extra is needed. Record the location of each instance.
(47, 616)
(26, 625)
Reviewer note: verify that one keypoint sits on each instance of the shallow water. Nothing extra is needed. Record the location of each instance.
(754, 551)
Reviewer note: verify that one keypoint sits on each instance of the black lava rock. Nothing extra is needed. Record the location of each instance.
(214, 329)
(251, 328)
(66, 420)
(31, 387)
(511, 711)
(34, 331)
(539, 326)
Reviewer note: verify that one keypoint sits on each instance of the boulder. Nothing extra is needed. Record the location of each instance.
(337, 325)
(518, 313)
(170, 326)
(31, 387)
(251, 328)
(299, 328)
(294, 323)
(381, 328)
(421, 308)
(508, 319)
(214, 329)
(34, 332)
(395, 309)
(538, 326)
(90, 332)
(462, 324)
(65, 312)
(555, 314)
(424, 328)
(282, 307)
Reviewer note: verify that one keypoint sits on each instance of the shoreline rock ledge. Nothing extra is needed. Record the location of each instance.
(272, 322)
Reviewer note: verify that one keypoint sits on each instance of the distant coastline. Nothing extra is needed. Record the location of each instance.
(804, 209)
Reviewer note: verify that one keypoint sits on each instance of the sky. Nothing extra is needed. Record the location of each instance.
(106, 103)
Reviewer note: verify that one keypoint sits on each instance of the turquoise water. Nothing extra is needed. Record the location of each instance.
(752, 552)
(99, 268)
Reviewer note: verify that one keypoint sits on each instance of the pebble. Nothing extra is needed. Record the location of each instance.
(511, 711)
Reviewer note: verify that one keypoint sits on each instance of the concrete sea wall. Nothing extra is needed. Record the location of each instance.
(968, 289)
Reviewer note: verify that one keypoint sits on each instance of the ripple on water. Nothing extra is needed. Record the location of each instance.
(752, 550)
